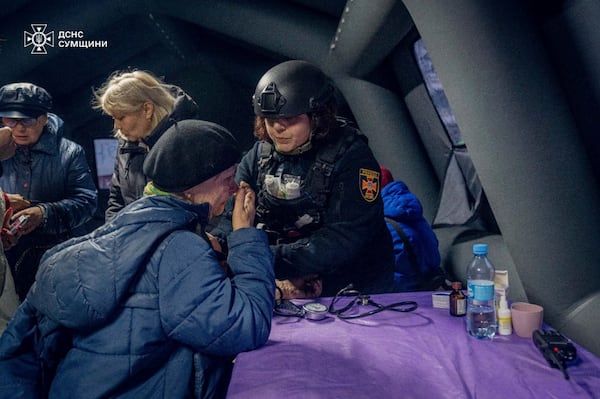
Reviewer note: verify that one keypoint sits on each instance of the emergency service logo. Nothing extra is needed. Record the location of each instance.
(369, 184)
(38, 39)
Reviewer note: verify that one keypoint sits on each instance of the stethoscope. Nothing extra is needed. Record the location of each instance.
(318, 311)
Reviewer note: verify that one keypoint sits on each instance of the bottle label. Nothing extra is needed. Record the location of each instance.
(504, 325)
(480, 290)
(461, 307)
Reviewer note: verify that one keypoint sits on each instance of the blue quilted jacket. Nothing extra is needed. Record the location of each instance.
(405, 208)
(150, 311)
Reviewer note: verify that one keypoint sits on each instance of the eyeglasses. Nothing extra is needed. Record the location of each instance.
(12, 122)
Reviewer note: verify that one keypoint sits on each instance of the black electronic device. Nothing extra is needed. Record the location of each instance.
(556, 348)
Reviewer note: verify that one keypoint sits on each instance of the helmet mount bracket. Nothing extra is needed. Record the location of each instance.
(271, 100)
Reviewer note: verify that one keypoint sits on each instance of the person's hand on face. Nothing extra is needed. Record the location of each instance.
(244, 208)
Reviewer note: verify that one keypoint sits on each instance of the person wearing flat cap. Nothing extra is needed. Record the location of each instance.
(48, 180)
(149, 309)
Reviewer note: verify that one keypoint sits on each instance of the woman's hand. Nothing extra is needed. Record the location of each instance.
(35, 217)
(303, 287)
(216, 245)
(17, 202)
(244, 208)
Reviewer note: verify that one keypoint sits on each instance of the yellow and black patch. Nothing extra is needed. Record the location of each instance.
(368, 182)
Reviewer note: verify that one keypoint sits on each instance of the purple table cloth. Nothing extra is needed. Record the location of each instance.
(423, 354)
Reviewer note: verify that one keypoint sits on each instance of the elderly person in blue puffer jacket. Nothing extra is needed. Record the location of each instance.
(415, 244)
(142, 307)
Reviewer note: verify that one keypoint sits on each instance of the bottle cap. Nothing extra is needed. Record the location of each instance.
(503, 303)
(480, 249)
(456, 285)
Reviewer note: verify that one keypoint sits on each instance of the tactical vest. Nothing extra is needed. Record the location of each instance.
(286, 220)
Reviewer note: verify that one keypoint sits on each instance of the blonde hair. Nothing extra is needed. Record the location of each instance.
(127, 91)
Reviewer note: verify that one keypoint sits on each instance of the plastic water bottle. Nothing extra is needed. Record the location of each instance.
(481, 311)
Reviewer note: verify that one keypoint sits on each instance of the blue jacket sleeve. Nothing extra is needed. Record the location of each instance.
(207, 311)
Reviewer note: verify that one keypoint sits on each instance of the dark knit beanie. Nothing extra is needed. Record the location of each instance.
(189, 153)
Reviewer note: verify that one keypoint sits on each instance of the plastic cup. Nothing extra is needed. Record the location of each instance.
(526, 318)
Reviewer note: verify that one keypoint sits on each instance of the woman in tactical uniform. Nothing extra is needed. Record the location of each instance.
(318, 188)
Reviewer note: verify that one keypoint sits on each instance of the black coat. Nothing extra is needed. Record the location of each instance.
(128, 179)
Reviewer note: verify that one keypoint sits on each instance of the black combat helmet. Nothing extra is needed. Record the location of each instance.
(290, 89)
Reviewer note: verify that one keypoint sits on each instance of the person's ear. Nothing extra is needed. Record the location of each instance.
(148, 110)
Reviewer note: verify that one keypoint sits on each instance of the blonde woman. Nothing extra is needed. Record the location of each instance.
(143, 107)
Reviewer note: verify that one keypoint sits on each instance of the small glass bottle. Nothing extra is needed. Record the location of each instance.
(504, 318)
(458, 301)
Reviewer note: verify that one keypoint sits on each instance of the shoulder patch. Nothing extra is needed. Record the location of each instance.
(368, 183)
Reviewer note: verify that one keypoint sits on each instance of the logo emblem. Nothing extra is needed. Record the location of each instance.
(369, 184)
(38, 39)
